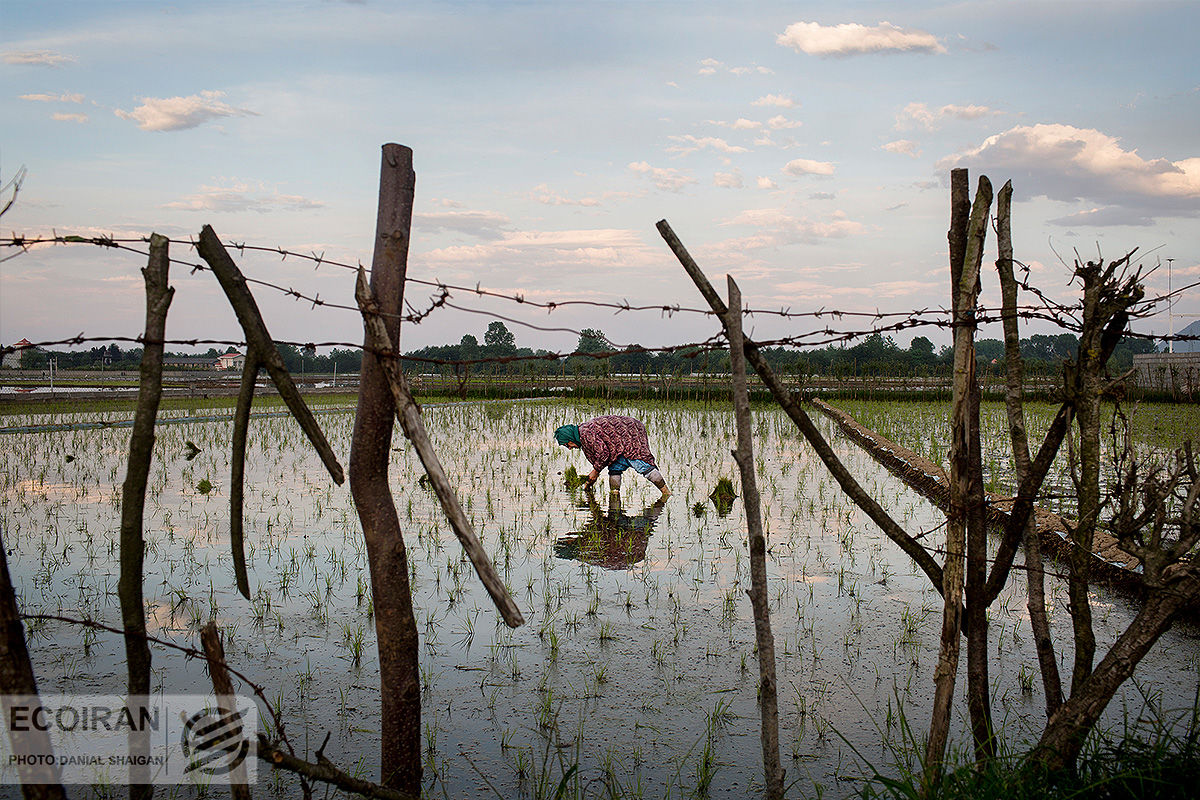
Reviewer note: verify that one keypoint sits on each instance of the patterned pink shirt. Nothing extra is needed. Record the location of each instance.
(605, 439)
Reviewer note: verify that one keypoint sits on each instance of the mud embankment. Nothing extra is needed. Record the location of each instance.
(1111, 565)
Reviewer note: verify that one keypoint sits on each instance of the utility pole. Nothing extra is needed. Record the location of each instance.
(1170, 311)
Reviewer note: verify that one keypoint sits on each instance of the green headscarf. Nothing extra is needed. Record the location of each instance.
(568, 433)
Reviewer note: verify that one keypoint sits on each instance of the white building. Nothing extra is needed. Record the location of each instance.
(231, 360)
(13, 360)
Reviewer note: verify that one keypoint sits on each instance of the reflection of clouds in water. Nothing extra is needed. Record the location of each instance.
(610, 538)
(90, 492)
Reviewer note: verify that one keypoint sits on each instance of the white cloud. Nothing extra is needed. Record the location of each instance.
(903, 147)
(777, 227)
(559, 256)
(62, 117)
(967, 112)
(766, 183)
(780, 122)
(921, 114)
(1103, 217)
(782, 101)
(53, 98)
(572, 240)
(740, 124)
(484, 224)
(728, 180)
(181, 113)
(544, 195)
(810, 291)
(664, 178)
(805, 166)
(752, 70)
(37, 58)
(852, 38)
(691, 144)
(711, 66)
(242, 197)
(1062, 162)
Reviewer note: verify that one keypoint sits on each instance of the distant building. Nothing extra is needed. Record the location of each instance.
(1168, 372)
(231, 360)
(189, 362)
(13, 360)
(1177, 371)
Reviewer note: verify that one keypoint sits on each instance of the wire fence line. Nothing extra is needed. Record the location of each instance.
(884, 322)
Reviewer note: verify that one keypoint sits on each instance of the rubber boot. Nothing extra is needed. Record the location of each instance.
(614, 481)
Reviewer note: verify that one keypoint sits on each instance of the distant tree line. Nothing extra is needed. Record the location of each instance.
(109, 357)
(874, 355)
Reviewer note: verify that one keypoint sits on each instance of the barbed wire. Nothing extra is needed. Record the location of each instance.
(710, 345)
(667, 309)
(1049, 311)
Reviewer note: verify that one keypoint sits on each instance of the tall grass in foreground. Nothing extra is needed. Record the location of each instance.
(1154, 759)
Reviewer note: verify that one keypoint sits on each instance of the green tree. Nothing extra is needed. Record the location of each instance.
(921, 348)
(499, 339)
(592, 340)
(468, 347)
(921, 356)
(292, 359)
(631, 360)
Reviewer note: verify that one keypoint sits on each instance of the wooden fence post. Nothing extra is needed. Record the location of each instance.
(744, 455)
(409, 415)
(260, 349)
(965, 518)
(808, 428)
(133, 502)
(214, 653)
(1014, 402)
(395, 625)
(39, 781)
(237, 470)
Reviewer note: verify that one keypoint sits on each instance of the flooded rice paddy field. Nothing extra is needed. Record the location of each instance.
(924, 427)
(637, 659)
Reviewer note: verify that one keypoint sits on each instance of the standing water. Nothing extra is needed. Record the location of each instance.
(636, 664)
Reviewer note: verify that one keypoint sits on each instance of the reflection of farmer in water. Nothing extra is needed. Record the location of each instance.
(611, 539)
(614, 442)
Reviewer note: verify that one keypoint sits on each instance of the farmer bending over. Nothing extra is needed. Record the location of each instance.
(614, 442)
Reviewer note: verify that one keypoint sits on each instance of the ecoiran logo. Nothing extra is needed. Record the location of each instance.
(112, 740)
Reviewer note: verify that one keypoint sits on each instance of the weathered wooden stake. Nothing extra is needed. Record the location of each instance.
(978, 688)
(237, 470)
(808, 429)
(260, 352)
(744, 455)
(413, 425)
(1014, 402)
(214, 653)
(259, 341)
(395, 624)
(963, 295)
(39, 781)
(133, 502)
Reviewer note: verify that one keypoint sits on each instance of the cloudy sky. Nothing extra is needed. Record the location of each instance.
(802, 147)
